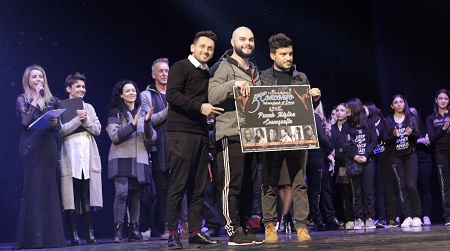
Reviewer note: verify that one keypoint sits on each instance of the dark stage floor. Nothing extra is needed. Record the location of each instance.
(436, 237)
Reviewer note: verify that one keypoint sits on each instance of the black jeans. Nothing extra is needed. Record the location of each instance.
(319, 190)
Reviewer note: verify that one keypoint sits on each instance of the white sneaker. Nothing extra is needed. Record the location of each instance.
(369, 224)
(350, 225)
(426, 221)
(416, 222)
(147, 233)
(165, 235)
(359, 225)
(407, 222)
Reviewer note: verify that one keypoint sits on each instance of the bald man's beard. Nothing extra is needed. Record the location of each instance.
(242, 54)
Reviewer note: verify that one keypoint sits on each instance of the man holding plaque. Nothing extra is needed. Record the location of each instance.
(283, 72)
(237, 170)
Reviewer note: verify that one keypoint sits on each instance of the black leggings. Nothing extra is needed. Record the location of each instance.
(443, 168)
(406, 170)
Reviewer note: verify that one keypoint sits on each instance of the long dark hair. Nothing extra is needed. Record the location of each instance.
(406, 109)
(358, 115)
(409, 117)
(436, 108)
(374, 112)
(261, 131)
(117, 102)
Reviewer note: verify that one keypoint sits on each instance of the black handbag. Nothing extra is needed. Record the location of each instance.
(354, 169)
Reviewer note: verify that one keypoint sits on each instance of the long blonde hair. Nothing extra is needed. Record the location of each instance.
(26, 87)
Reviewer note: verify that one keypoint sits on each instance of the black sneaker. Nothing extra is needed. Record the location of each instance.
(381, 223)
(393, 223)
(447, 221)
(212, 232)
(253, 237)
(174, 242)
(240, 238)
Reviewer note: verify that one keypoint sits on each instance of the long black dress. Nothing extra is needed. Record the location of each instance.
(40, 221)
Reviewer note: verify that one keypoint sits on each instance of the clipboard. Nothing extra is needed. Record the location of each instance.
(71, 106)
(42, 120)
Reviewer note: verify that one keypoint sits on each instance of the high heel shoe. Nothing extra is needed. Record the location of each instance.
(282, 225)
(290, 227)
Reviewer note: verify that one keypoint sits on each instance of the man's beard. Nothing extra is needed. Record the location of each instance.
(242, 54)
(282, 68)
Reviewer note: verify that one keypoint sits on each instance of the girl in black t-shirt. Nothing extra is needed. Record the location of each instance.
(358, 130)
(438, 128)
(402, 130)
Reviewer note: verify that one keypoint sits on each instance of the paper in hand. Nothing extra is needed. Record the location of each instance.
(42, 121)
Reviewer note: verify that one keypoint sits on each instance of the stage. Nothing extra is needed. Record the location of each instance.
(436, 237)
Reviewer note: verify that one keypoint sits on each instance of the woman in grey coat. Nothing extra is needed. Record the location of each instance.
(130, 130)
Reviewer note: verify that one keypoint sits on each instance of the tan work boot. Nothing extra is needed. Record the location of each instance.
(302, 234)
(271, 233)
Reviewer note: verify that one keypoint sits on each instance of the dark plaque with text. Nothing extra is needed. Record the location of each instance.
(276, 118)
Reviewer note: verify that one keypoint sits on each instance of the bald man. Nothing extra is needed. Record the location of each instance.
(238, 170)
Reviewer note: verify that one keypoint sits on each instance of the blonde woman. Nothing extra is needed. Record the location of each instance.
(40, 223)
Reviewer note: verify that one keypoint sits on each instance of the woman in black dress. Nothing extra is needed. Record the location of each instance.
(40, 222)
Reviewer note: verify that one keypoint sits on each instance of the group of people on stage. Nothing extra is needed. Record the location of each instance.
(181, 135)
(396, 154)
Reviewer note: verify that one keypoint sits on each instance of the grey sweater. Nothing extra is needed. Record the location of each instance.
(128, 143)
(223, 75)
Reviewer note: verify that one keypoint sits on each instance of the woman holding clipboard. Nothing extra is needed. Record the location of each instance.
(40, 223)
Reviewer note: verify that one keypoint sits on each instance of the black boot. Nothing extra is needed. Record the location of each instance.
(118, 232)
(72, 223)
(89, 224)
(134, 234)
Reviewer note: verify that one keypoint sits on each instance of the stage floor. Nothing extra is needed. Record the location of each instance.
(436, 237)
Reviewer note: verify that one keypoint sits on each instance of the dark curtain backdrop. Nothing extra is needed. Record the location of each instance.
(368, 49)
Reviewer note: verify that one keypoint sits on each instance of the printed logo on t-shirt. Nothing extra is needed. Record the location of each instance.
(402, 142)
(360, 140)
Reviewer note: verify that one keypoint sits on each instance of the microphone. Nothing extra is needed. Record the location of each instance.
(42, 90)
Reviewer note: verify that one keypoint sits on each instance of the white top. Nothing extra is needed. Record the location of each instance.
(78, 152)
